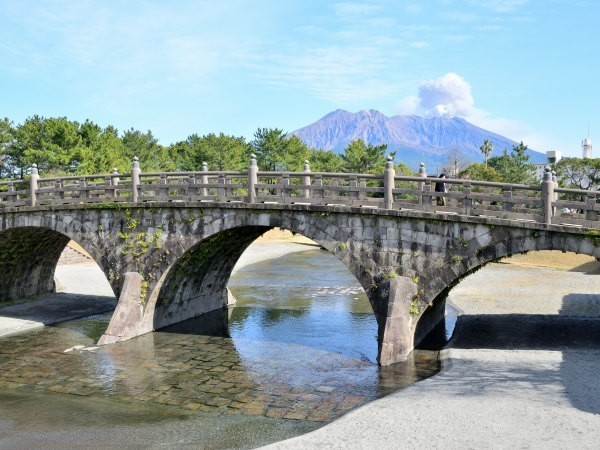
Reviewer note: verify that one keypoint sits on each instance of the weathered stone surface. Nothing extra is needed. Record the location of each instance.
(396, 328)
(28, 257)
(129, 311)
(184, 254)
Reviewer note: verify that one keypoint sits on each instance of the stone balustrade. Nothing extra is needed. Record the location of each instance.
(545, 203)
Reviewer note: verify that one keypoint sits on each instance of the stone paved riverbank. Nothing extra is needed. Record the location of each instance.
(191, 370)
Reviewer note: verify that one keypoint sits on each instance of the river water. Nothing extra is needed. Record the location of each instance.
(300, 350)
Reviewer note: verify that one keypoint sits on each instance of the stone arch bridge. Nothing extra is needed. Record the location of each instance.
(167, 242)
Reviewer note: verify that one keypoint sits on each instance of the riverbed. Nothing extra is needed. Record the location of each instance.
(520, 372)
(299, 351)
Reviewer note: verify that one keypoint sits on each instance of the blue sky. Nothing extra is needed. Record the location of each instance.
(526, 69)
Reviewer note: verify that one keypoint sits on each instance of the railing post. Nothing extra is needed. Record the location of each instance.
(228, 191)
(306, 180)
(389, 183)
(11, 196)
(353, 187)
(114, 181)
(507, 201)
(204, 180)
(60, 187)
(82, 191)
(135, 178)
(467, 199)
(590, 202)
(285, 191)
(362, 193)
(221, 192)
(108, 190)
(547, 195)
(252, 179)
(191, 186)
(320, 190)
(555, 181)
(33, 184)
(163, 190)
(420, 184)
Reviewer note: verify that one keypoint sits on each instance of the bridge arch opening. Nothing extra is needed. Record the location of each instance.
(28, 257)
(534, 319)
(284, 285)
(56, 275)
(527, 288)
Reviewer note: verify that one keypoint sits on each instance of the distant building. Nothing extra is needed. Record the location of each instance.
(586, 148)
(552, 157)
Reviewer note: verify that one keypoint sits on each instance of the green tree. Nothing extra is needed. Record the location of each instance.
(102, 150)
(480, 172)
(486, 148)
(53, 144)
(579, 173)
(403, 170)
(277, 152)
(219, 152)
(152, 155)
(7, 170)
(364, 158)
(514, 167)
(325, 161)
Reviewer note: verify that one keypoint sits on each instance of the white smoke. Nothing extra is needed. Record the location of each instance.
(449, 95)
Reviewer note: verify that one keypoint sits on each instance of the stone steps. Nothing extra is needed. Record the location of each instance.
(72, 255)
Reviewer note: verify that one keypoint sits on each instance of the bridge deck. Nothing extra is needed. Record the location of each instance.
(545, 203)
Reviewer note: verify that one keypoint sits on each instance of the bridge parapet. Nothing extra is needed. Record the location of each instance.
(545, 203)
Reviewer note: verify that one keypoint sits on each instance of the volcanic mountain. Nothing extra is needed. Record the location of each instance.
(415, 139)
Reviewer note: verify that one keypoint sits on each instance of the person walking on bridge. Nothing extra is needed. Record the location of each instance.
(441, 187)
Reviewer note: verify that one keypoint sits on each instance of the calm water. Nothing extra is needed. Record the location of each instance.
(299, 351)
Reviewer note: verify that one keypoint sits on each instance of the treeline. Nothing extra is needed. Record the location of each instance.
(63, 147)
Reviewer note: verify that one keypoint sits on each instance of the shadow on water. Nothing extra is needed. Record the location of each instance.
(214, 323)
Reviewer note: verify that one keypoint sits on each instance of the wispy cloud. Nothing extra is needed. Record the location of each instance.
(355, 9)
(332, 73)
(500, 6)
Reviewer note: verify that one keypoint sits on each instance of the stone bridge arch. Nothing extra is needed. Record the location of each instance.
(28, 258)
(195, 281)
(445, 252)
(403, 259)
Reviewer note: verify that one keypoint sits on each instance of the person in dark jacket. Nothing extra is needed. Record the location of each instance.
(441, 187)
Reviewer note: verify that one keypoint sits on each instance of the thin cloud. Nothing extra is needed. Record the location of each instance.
(500, 6)
(355, 9)
(334, 73)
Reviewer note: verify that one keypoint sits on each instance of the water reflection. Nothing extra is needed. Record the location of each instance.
(299, 348)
